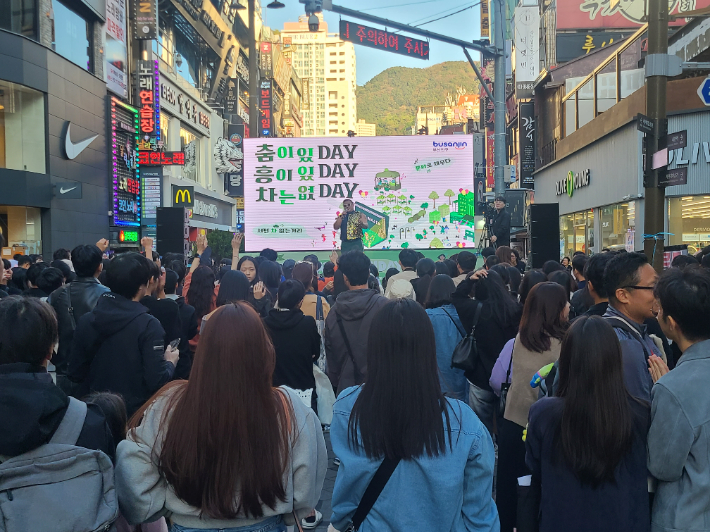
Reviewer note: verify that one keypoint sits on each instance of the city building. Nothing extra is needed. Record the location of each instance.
(363, 129)
(54, 168)
(458, 108)
(326, 66)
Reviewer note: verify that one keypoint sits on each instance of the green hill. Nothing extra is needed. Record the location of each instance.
(390, 99)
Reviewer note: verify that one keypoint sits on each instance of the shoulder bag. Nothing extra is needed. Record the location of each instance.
(465, 354)
(504, 387)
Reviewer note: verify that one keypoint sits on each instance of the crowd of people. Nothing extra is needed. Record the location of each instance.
(468, 393)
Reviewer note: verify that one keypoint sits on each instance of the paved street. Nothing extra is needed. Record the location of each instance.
(325, 497)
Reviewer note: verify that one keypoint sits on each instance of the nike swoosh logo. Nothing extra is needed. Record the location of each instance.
(74, 149)
(64, 191)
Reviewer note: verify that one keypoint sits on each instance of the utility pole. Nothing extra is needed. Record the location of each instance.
(499, 149)
(655, 195)
(253, 82)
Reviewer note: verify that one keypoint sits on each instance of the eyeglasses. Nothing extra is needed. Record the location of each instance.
(640, 287)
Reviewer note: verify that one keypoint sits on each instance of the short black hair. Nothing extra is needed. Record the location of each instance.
(467, 261)
(491, 261)
(705, 263)
(355, 265)
(328, 269)
(552, 266)
(86, 260)
(64, 268)
(442, 255)
(500, 198)
(61, 254)
(622, 270)
(7, 264)
(594, 271)
(578, 262)
(374, 271)
(19, 278)
(287, 268)
(291, 293)
(171, 281)
(270, 274)
(685, 296)
(24, 259)
(34, 271)
(155, 271)
(269, 254)
(313, 259)
(50, 279)
(28, 328)
(127, 273)
(440, 291)
(681, 261)
(408, 258)
(178, 266)
(487, 252)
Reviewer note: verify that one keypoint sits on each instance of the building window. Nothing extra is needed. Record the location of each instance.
(577, 233)
(19, 16)
(191, 148)
(22, 145)
(616, 221)
(72, 36)
(21, 227)
(689, 222)
(164, 127)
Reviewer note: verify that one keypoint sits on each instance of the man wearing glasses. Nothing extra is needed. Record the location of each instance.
(629, 281)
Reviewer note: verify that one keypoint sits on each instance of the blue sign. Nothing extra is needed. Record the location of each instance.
(704, 91)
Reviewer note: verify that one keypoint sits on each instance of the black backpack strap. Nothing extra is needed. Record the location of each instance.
(348, 348)
(619, 323)
(510, 364)
(374, 488)
(319, 308)
(459, 328)
(476, 316)
(69, 429)
(70, 308)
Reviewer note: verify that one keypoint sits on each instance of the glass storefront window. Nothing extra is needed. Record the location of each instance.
(22, 145)
(19, 16)
(577, 233)
(191, 148)
(616, 221)
(21, 228)
(72, 36)
(689, 222)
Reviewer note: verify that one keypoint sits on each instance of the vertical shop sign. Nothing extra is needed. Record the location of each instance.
(115, 54)
(234, 181)
(146, 13)
(527, 44)
(485, 19)
(148, 105)
(125, 124)
(266, 62)
(490, 157)
(152, 184)
(526, 134)
(265, 108)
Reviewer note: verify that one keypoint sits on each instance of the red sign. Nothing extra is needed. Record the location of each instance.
(490, 157)
(165, 158)
(146, 97)
(383, 40)
(266, 118)
(596, 14)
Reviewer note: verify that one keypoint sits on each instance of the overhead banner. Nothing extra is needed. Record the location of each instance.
(597, 14)
(527, 44)
(526, 134)
(115, 52)
(417, 192)
(146, 13)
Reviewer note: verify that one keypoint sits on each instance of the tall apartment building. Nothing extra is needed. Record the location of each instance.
(363, 129)
(326, 65)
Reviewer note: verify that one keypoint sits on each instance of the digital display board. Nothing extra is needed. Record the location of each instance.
(383, 40)
(124, 163)
(417, 192)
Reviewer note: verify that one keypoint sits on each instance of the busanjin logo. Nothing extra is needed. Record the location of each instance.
(457, 145)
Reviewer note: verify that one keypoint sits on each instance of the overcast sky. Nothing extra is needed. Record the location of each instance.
(370, 62)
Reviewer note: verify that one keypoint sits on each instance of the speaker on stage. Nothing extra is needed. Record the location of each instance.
(170, 230)
(544, 233)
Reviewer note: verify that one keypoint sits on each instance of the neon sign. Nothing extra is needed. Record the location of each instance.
(124, 164)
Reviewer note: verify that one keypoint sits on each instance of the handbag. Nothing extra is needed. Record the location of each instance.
(320, 324)
(465, 354)
(505, 386)
(325, 396)
(374, 488)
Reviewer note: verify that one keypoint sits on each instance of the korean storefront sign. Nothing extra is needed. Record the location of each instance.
(266, 120)
(265, 60)
(179, 104)
(125, 127)
(527, 43)
(526, 134)
(148, 104)
(115, 53)
(146, 13)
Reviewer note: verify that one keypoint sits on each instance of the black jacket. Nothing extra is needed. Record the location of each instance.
(188, 323)
(85, 292)
(119, 347)
(490, 335)
(32, 407)
(296, 342)
(357, 309)
(34, 292)
(500, 228)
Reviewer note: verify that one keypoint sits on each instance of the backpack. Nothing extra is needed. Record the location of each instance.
(58, 486)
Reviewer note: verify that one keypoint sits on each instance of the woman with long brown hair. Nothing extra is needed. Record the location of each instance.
(224, 450)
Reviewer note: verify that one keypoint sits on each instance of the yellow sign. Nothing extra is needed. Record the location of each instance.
(485, 20)
(183, 196)
(240, 203)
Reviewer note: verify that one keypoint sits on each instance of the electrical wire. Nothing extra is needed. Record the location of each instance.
(420, 19)
(400, 5)
(447, 16)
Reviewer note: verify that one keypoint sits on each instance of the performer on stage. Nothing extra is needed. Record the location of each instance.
(351, 223)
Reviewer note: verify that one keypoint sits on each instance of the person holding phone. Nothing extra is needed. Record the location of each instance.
(350, 223)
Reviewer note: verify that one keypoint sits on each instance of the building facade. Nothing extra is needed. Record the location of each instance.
(327, 68)
(363, 129)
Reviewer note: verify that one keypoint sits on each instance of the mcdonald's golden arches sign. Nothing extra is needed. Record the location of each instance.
(183, 196)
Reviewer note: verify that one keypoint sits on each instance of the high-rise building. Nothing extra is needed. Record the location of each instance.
(363, 129)
(326, 66)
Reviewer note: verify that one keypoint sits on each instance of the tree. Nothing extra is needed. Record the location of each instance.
(221, 244)
(436, 244)
(419, 237)
(450, 194)
(425, 206)
(434, 196)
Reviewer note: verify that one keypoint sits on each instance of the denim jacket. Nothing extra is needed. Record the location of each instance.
(451, 492)
(678, 444)
(447, 331)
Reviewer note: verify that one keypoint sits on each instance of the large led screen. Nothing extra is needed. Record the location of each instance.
(417, 192)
